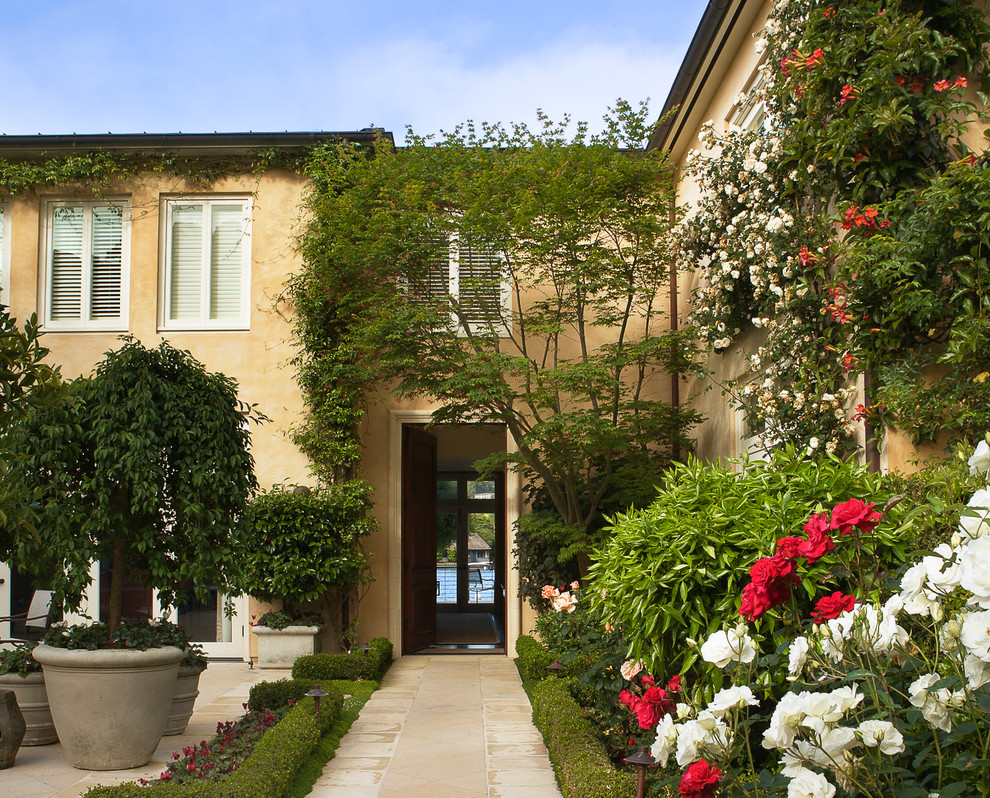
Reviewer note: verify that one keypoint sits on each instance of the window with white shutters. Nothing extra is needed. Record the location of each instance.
(86, 267)
(207, 256)
(474, 277)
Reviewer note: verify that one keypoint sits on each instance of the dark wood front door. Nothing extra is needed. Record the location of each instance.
(419, 539)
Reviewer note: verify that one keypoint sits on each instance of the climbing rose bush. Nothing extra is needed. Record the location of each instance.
(880, 692)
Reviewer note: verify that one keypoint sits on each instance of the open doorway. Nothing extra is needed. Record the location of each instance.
(453, 530)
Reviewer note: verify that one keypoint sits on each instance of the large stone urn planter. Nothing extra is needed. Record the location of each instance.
(32, 698)
(110, 706)
(184, 700)
(279, 648)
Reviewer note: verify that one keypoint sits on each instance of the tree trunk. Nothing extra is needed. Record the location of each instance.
(118, 564)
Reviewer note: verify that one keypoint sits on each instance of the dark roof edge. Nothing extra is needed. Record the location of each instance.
(701, 44)
(201, 142)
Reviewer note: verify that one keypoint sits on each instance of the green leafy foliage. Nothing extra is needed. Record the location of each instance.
(574, 359)
(19, 659)
(675, 570)
(356, 665)
(305, 543)
(25, 381)
(146, 463)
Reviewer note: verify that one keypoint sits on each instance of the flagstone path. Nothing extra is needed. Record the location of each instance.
(443, 726)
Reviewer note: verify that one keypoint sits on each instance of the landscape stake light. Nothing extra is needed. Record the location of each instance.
(316, 694)
(642, 759)
(555, 667)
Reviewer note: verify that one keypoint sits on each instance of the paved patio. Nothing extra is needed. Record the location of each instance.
(442, 726)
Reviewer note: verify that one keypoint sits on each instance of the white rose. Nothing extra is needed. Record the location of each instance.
(979, 463)
(808, 784)
(732, 698)
(798, 655)
(881, 734)
(974, 569)
(666, 740)
(724, 647)
(975, 634)
(976, 525)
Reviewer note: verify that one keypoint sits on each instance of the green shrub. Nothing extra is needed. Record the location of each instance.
(583, 767)
(275, 695)
(677, 568)
(355, 666)
(532, 659)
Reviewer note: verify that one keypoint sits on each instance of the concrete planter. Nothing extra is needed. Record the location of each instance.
(279, 648)
(32, 698)
(110, 707)
(184, 700)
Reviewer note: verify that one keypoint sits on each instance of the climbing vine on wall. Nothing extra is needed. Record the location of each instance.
(851, 229)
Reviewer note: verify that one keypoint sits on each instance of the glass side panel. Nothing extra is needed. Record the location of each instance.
(447, 490)
(481, 568)
(481, 489)
(447, 558)
(205, 621)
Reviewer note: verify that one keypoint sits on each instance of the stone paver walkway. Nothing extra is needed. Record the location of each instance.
(443, 726)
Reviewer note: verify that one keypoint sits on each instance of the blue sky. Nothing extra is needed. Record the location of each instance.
(132, 66)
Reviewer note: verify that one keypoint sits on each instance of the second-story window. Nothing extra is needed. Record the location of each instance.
(86, 269)
(207, 263)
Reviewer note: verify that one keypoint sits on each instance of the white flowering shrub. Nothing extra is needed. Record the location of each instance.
(887, 692)
(816, 230)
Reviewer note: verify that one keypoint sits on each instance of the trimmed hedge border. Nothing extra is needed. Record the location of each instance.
(355, 666)
(270, 769)
(581, 762)
(582, 765)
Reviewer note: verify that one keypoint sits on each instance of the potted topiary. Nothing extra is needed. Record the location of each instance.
(144, 464)
(21, 673)
(305, 547)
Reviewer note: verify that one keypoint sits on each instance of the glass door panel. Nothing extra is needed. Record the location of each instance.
(447, 556)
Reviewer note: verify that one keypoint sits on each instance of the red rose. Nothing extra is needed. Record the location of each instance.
(768, 570)
(819, 540)
(855, 513)
(627, 700)
(652, 707)
(674, 684)
(829, 607)
(755, 601)
(700, 780)
(788, 547)
(647, 680)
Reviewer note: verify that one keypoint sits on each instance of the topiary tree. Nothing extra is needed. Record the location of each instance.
(145, 463)
(25, 380)
(305, 544)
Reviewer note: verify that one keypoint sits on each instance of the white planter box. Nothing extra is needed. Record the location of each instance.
(280, 648)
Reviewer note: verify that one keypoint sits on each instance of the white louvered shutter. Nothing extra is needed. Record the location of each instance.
(65, 299)
(107, 249)
(479, 286)
(185, 262)
(226, 261)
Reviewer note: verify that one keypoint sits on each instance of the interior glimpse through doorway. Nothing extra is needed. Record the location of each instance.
(466, 528)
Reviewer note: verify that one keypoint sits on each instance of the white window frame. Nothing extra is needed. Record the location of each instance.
(4, 253)
(505, 292)
(750, 114)
(203, 321)
(85, 323)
